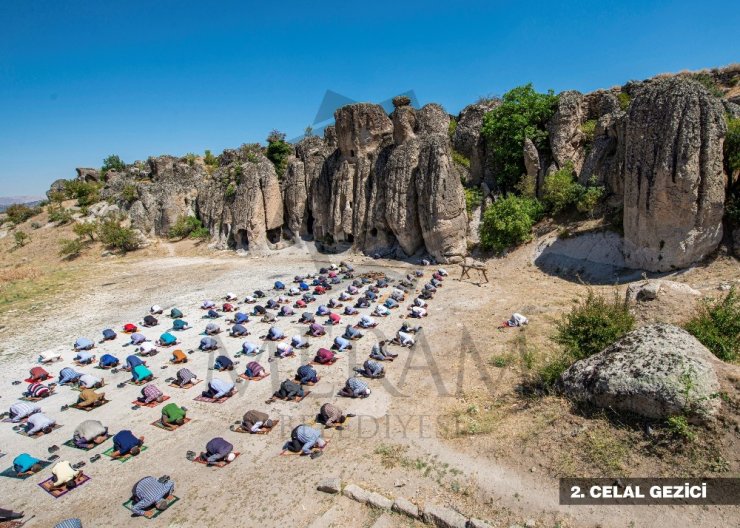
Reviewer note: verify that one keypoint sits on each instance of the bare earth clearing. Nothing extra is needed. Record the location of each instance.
(446, 425)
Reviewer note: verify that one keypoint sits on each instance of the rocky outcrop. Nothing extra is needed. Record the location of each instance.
(673, 175)
(656, 371)
(566, 138)
(88, 175)
(467, 139)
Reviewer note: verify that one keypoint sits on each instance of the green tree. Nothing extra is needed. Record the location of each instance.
(70, 249)
(19, 213)
(508, 222)
(112, 162)
(86, 193)
(113, 235)
(278, 151)
(85, 230)
(523, 113)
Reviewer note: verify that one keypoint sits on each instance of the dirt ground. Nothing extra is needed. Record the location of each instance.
(447, 425)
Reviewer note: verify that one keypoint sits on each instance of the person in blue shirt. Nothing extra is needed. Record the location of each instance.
(307, 374)
(125, 443)
(84, 343)
(109, 335)
(223, 363)
(274, 334)
(341, 344)
(25, 464)
(208, 343)
(179, 325)
(240, 318)
(84, 358)
(250, 349)
(68, 375)
(304, 439)
(134, 361)
(279, 285)
(108, 361)
(167, 339)
(239, 330)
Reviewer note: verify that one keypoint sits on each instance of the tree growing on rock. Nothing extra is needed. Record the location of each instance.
(112, 162)
(278, 151)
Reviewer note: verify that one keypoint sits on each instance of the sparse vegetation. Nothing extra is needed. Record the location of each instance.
(19, 213)
(70, 249)
(278, 151)
(679, 426)
(86, 193)
(115, 236)
(452, 127)
(188, 227)
(230, 191)
(508, 222)
(211, 161)
(717, 326)
(129, 193)
(460, 159)
(593, 324)
(21, 238)
(523, 113)
(624, 100)
(473, 198)
(709, 83)
(59, 214)
(589, 129)
(562, 192)
(112, 162)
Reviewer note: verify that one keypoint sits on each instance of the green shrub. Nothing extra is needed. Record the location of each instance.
(717, 326)
(278, 151)
(186, 226)
(86, 193)
(460, 159)
(211, 161)
(201, 233)
(452, 127)
(112, 162)
(508, 222)
(561, 190)
(679, 426)
(59, 214)
(129, 193)
(593, 324)
(19, 213)
(589, 199)
(70, 249)
(589, 129)
(624, 100)
(190, 158)
(115, 236)
(523, 113)
(473, 198)
(21, 238)
(57, 197)
(230, 191)
(548, 374)
(35, 225)
(85, 230)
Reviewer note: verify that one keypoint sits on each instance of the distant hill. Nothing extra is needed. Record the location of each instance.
(6, 201)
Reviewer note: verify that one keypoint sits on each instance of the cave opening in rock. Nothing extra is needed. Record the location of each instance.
(350, 238)
(309, 223)
(240, 239)
(273, 235)
(374, 232)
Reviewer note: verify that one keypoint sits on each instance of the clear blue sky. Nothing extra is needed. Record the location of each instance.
(83, 79)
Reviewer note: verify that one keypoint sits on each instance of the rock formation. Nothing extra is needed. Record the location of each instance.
(673, 175)
(467, 139)
(656, 371)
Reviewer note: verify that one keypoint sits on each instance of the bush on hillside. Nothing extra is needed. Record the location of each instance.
(86, 193)
(278, 151)
(508, 222)
(523, 113)
(593, 324)
(473, 198)
(562, 192)
(85, 230)
(21, 238)
(113, 235)
(59, 214)
(19, 213)
(70, 249)
(717, 326)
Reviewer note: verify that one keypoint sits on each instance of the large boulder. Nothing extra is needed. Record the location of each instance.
(88, 175)
(566, 138)
(673, 175)
(656, 371)
(467, 138)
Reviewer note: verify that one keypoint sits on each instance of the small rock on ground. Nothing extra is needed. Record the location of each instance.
(406, 507)
(330, 485)
(444, 517)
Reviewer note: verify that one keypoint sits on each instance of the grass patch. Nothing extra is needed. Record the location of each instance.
(717, 326)
(606, 451)
(20, 287)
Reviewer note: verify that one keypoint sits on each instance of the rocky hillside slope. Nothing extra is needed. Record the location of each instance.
(390, 185)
